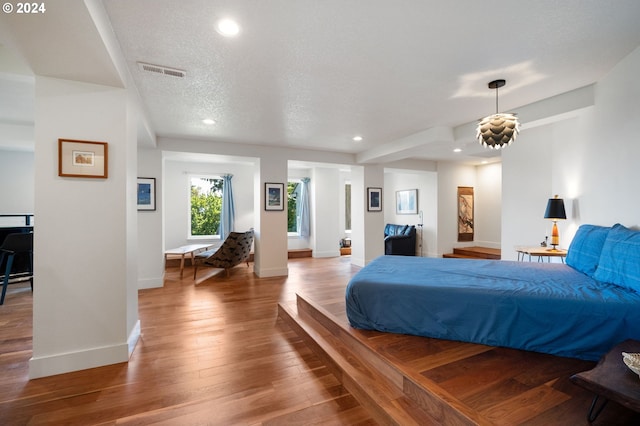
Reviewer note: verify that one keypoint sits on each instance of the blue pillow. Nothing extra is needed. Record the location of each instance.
(585, 248)
(620, 258)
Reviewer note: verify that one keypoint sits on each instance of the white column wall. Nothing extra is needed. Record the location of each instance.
(325, 184)
(367, 228)
(83, 264)
(150, 233)
(450, 177)
(488, 202)
(270, 257)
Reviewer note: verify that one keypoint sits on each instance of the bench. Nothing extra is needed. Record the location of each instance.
(182, 251)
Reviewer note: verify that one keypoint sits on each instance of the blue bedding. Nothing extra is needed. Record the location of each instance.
(542, 307)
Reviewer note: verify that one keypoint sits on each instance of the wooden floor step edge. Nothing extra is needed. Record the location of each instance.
(479, 252)
(430, 396)
(372, 391)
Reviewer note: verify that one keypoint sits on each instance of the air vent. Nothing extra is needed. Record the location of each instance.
(159, 69)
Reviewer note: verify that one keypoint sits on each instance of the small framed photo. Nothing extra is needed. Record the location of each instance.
(374, 199)
(82, 159)
(146, 193)
(407, 201)
(274, 196)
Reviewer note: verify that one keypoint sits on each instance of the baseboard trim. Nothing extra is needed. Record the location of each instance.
(268, 273)
(146, 283)
(74, 361)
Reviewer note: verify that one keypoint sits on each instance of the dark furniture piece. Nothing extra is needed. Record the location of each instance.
(612, 380)
(15, 245)
(400, 240)
(235, 249)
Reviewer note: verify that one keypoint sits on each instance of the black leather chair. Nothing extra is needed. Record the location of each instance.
(15, 244)
(400, 240)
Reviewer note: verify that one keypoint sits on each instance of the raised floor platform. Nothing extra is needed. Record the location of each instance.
(410, 380)
(474, 253)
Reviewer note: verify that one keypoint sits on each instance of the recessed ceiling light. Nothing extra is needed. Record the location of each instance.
(228, 27)
(457, 150)
(208, 121)
(357, 138)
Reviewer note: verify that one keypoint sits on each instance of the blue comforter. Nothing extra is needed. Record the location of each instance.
(542, 307)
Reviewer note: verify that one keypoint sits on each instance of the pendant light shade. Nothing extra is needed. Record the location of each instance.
(498, 130)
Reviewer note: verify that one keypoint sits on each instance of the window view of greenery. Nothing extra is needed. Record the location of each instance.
(206, 205)
(292, 210)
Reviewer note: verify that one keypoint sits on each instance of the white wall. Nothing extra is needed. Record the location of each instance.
(590, 161)
(85, 292)
(150, 236)
(450, 177)
(488, 202)
(17, 177)
(176, 198)
(325, 184)
(427, 185)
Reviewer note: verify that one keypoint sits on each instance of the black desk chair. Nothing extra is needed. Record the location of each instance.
(16, 244)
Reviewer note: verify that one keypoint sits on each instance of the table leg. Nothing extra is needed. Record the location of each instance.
(181, 265)
(591, 417)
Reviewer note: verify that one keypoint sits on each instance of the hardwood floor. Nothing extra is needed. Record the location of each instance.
(214, 353)
(217, 353)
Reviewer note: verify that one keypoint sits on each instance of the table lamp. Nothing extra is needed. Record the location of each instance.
(555, 211)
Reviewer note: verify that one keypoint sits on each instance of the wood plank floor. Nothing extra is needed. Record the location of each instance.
(216, 353)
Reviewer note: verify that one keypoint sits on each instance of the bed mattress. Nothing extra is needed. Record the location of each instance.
(542, 307)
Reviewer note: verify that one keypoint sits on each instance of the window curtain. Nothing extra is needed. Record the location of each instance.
(303, 208)
(227, 215)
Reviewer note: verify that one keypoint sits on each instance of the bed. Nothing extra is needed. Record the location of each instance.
(580, 309)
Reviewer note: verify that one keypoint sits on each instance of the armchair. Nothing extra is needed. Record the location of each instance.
(400, 240)
(235, 249)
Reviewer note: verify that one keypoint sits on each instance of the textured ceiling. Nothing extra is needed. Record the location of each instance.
(313, 74)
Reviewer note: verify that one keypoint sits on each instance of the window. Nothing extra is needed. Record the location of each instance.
(205, 205)
(347, 206)
(292, 206)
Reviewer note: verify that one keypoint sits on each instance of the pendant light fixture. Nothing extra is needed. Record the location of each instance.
(498, 130)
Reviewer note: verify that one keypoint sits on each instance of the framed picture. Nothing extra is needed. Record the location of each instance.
(274, 196)
(146, 193)
(407, 201)
(374, 199)
(465, 213)
(82, 159)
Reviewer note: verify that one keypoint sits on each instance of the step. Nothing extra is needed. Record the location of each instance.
(392, 396)
(475, 253)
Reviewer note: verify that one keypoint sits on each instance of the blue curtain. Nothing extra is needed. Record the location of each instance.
(303, 208)
(227, 215)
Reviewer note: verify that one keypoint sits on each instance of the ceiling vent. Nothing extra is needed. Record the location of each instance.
(159, 69)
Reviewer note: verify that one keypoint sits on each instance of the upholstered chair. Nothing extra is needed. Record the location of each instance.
(235, 249)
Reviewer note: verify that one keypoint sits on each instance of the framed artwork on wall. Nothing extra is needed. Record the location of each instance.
(274, 196)
(84, 159)
(465, 213)
(407, 201)
(146, 193)
(374, 199)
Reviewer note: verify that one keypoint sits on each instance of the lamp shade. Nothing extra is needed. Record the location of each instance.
(555, 209)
